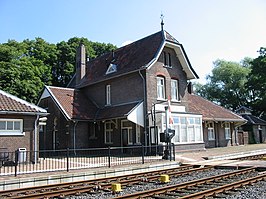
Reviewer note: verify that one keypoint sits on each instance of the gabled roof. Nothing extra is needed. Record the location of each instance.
(253, 119)
(74, 105)
(211, 111)
(136, 56)
(72, 102)
(12, 104)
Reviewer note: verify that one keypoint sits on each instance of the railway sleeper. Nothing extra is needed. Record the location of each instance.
(162, 196)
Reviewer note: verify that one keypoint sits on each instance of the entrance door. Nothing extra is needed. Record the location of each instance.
(127, 136)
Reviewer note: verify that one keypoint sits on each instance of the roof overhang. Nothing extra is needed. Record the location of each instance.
(136, 115)
(48, 93)
(183, 58)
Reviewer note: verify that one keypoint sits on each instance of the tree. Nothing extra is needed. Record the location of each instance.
(257, 83)
(25, 67)
(227, 84)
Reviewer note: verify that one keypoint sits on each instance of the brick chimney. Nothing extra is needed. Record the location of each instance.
(80, 63)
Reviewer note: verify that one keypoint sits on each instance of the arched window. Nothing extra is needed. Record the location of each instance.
(160, 88)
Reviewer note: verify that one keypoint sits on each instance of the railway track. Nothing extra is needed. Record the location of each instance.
(203, 188)
(92, 186)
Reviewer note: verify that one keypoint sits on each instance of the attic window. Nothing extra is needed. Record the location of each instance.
(167, 59)
(111, 69)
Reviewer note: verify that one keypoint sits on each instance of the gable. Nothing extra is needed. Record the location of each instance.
(72, 103)
(136, 56)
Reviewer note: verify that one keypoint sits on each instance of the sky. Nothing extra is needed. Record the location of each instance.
(208, 29)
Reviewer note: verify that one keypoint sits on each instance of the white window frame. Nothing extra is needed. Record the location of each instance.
(111, 69)
(211, 132)
(188, 128)
(108, 133)
(108, 94)
(160, 88)
(174, 90)
(129, 131)
(12, 131)
(138, 138)
(227, 131)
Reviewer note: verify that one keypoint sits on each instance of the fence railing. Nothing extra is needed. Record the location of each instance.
(24, 162)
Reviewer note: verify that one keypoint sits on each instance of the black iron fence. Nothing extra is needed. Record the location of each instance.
(23, 162)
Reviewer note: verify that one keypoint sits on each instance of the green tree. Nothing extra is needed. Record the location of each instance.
(257, 83)
(226, 85)
(25, 67)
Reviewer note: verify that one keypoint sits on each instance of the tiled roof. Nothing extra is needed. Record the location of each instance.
(73, 103)
(110, 112)
(12, 104)
(210, 110)
(127, 59)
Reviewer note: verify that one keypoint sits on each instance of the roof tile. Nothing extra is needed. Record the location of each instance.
(210, 110)
(11, 103)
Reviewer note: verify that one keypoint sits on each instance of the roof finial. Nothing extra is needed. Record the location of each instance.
(162, 23)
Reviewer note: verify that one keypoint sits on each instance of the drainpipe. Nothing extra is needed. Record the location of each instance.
(35, 138)
(144, 109)
(74, 136)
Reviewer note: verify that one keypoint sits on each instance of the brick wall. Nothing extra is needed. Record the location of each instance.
(175, 72)
(124, 89)
(12, 143)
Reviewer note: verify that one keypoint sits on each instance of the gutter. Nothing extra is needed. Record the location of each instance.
(144, 108)
(22, 113)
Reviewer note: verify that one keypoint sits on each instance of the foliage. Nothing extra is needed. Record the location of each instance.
(257, 83)
(227, 84)
(25, 67)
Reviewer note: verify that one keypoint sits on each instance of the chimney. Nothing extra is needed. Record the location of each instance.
(80, 63)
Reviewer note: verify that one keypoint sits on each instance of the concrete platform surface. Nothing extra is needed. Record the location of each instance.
(212, 155)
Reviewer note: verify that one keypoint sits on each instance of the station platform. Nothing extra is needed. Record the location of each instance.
(214, 156)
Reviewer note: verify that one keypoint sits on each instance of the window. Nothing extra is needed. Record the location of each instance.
(174, 90)
(160, 88)
(188, 129)
(126, 127)
(167, 59)
(111, 69)
(11, 127)
(227, 130)
(138, 134)
(108, 94)
(108, 133)
(211, 134)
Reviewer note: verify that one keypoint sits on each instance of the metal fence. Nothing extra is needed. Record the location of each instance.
(24, 162)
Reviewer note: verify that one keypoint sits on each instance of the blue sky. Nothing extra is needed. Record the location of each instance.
(208, 29)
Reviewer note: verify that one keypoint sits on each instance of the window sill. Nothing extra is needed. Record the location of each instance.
(176, 101)
(167, 66)
(12, 133)
(161, 99)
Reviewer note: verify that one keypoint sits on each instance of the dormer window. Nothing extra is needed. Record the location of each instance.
(111, 69)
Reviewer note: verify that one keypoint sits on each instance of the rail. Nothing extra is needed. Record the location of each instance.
(23, 162)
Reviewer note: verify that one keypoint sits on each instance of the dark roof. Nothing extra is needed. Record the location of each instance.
(76, 106)
(253, 119)
(127, 58)
(210, 110)
(132, 57)
(12, 104)
(73, 103)
(111, 112)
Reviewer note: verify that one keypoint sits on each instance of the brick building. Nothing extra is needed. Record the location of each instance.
(19, 123)
(122, 97)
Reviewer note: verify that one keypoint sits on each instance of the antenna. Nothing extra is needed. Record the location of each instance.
(162, 23)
